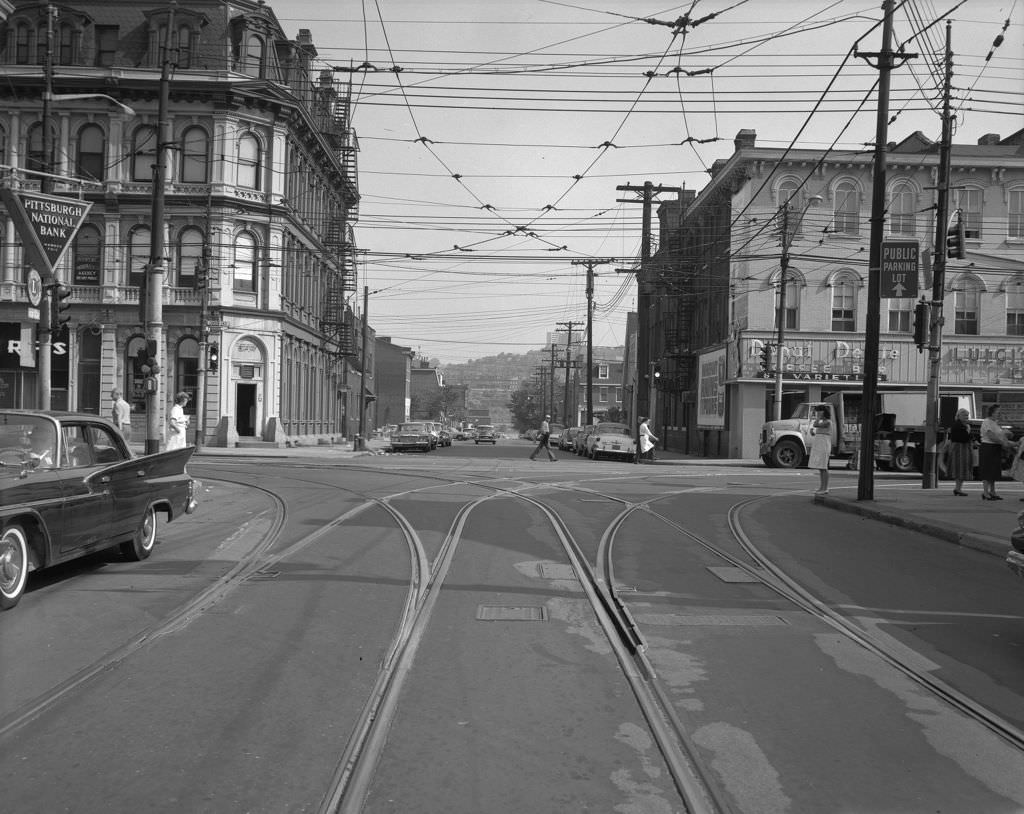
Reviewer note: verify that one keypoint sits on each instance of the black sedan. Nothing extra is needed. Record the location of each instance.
(69, 486)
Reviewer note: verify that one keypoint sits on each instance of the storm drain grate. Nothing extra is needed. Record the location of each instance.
(554, 570)
(511, 613)
(730, 573)
(668, 619)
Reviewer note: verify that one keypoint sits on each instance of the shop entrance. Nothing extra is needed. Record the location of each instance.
(245, 410)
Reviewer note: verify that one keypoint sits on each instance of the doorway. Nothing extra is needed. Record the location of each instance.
(245, 410)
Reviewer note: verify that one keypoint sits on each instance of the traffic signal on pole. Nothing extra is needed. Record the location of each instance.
(149, 365)
(955, 238)
(61, 306)
(212, 359)
(657, 370)
(202, 277)
(922, 326)
(766, 357)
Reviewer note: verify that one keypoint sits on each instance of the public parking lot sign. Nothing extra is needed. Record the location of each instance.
(900, 261)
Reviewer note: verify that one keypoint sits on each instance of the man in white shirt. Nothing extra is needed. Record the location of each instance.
(121, 414)
(542, 441)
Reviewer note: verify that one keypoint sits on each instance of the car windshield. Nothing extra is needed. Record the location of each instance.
(485, 428)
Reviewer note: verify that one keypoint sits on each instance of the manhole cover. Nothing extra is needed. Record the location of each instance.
(511, 613)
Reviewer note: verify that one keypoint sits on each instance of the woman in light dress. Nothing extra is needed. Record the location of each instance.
(177, 423)
(821, 448)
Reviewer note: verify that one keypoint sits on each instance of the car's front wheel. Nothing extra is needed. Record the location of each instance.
(142, 542)
(13, 565)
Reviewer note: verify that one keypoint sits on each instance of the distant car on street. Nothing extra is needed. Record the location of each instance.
(568, 436)
(579, 444)
(70, 486)
(485, 434)
(412, 435)
(444, 437)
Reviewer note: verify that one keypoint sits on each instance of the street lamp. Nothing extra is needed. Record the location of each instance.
(780, 320)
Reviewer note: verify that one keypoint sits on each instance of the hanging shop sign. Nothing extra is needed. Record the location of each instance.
(46, 224)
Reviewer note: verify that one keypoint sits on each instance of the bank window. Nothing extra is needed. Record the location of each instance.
(969, 201)
(22, 44)
(245, 263)
(138, 255)
(106, 45)
(901, 315)
(1015, 308)
(248, 161)
(184, 56)
(967, 307)
(91, 149)
(844, 304)
(86, 256)
(1015, 227)
(143, 153)
(252, 57)
(194, 151)
(190, 253)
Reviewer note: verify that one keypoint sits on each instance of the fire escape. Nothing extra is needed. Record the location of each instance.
(337, 323)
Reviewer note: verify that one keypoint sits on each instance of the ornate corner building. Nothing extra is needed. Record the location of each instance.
(259, 202)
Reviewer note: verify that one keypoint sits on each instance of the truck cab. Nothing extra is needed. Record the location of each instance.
(787, 443)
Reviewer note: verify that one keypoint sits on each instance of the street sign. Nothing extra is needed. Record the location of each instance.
(46, 224)
(900, 261)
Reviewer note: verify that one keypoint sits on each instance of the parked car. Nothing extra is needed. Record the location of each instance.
(554, 434)
(611, 440)
(485, 434)
(412, 435)
(568, 436)
(579, 445)
(70, 486)
(444, 437)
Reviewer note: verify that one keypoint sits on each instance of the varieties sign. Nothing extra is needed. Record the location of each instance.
(46, 223)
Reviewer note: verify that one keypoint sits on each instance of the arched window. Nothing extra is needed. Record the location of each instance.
(190, 254)
(792, 315)
(847, 209)
(1015, 307)
(967, 307)
(902, 210)
(194, 156)
(143, 153)
(248, 161)
(1015, 227)
(185, 46)
(91, 158)
(34, 158)
(788, 192)
(86, 256)
(252, 56)
(844, 303)
(22, 44)
(245, 262)
(970, 201)
(138, 255)
(65, 45)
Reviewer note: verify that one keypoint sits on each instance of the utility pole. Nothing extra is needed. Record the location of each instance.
(929, 466)
(551, 385)
(154, 289)
(568, 363)
(47, 324)
(590, 332)
(362, 370)
(643, 296)
(885, 61)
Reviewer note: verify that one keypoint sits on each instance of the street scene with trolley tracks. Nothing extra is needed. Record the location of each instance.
(478, 634)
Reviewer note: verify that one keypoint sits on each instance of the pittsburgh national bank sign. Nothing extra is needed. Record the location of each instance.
(983, 364)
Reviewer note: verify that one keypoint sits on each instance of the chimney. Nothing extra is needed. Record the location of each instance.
(745, 139)
(989, 139)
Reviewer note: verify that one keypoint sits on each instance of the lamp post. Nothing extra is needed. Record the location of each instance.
(780, 319)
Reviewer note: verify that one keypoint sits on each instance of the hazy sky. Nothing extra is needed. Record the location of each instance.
(493, 134)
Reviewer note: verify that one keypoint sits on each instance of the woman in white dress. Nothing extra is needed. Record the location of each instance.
(177, 423)
(821, 448)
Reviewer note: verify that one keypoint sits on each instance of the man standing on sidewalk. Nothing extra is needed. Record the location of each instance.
(542, 440)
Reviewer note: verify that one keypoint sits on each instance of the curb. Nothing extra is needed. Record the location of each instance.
(985, 543)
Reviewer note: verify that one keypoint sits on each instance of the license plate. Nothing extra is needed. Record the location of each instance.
(616, 447)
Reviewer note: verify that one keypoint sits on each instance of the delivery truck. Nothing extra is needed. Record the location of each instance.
(899, 428)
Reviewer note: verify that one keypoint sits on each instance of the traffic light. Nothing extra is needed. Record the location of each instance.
(149, 365)
(766, 357)
(202, 277)
(61, 307)
(922, 326)
(212, 358)
(955, 238)
(657, 370)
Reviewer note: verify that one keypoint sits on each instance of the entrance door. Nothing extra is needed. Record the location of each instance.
(245, 410)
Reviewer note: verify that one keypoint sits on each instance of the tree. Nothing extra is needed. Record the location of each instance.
(525, 408)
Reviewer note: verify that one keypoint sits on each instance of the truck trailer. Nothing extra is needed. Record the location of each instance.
(899, 428)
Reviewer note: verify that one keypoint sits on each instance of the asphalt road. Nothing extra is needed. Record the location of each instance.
(233, 670)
